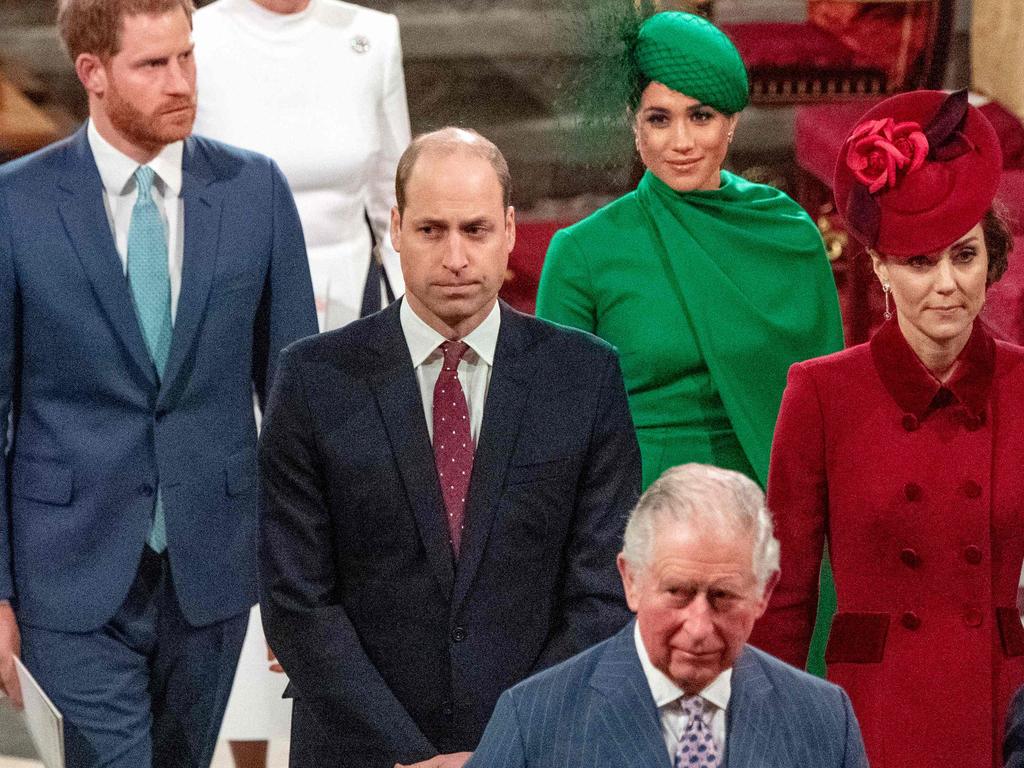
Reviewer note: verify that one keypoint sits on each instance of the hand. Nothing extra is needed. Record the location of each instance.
(272, 658)
(10, 646)
(451, 760)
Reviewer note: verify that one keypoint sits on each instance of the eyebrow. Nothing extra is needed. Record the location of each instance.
(476, 221)
(972, 240)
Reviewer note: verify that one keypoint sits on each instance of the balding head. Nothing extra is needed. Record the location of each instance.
(451, 140)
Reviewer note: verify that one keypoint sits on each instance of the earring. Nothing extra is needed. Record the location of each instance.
(888, 309)
(730, 137)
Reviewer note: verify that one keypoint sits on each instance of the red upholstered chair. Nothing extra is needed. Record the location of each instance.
(525, 262)
(820, 132)
(847, 49)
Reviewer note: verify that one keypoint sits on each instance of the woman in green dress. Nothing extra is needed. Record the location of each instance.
(710, 286)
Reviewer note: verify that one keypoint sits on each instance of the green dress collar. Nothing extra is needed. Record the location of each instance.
(748, 266)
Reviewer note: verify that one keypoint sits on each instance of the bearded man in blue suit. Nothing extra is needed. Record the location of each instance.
(679, 686)
(148, 280)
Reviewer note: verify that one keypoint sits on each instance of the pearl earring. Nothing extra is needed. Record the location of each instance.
(888, 309)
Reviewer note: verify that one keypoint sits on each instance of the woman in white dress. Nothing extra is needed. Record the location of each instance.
(318, 86)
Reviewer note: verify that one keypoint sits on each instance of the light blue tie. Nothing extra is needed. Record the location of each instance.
(150, 283)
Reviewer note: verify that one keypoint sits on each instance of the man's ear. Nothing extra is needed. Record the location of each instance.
(629, 582)
(510, 228)
(396, 228)
(766, 596)
(92, 72)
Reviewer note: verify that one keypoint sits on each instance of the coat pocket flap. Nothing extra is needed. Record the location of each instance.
(857, 638)
(45, 481)
(240, 471)
(539, 470)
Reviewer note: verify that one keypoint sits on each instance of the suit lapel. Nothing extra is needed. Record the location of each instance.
(750, 716)
(85, 217)
(511, 379)
(629, 718)
(398, 396)
(202, 206)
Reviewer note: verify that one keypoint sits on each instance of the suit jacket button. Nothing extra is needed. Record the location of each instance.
(910, 620)
(972, 617)
(447, 709)
(910, 558)
(972, 554)
(145, 489)
(912, 491)
(972, 489)
(910, 422)
(458, 634)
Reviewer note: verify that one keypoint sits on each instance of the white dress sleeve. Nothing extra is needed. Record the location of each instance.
(394, 138)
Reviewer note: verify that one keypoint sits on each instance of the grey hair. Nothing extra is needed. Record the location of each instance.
(717, 499)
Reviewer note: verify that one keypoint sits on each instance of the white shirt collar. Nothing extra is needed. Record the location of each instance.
(423, 340)
(666, 692)
(116, 168)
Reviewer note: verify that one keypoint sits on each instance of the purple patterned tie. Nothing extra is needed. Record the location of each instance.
(696, 746)
(453, 442)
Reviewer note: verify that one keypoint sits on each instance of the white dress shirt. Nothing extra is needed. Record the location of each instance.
(667, 694)
(117, 172)
(474, 368)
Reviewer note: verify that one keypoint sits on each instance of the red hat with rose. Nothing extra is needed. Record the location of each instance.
(918, 171)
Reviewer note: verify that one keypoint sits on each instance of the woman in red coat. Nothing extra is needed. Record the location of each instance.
(907, 454)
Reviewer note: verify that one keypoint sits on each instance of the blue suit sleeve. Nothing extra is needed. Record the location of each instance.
(305, 623)
(502, 744)
(855, 756)
(593, 606)
(9, 343)
(287, 310)
(1013, 742)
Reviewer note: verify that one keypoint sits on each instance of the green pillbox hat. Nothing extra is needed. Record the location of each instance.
(691, 55)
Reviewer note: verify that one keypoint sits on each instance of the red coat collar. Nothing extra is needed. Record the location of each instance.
(917, 391)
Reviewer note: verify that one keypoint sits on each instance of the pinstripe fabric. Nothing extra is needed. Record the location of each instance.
(596, 711)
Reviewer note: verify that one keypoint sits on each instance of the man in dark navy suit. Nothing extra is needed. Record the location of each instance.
(680, 686)
(148, 280)
(444, 487)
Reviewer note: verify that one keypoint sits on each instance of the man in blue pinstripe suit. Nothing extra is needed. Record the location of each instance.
(679, 687)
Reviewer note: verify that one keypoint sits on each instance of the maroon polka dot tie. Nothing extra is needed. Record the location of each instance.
(453, 442)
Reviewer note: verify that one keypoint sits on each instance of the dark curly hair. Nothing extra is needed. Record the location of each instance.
(995, 226)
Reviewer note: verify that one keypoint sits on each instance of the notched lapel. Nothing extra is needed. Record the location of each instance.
(401, 407)
(626, 710)
(750, 718)
(509, 388)
(202, 205)
(85, 217)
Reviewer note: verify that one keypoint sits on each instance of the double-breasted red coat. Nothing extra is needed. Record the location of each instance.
(919, 490)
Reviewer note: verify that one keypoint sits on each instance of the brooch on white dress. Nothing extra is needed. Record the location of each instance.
(360, 44)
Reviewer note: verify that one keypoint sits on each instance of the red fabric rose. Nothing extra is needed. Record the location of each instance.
(882, 151)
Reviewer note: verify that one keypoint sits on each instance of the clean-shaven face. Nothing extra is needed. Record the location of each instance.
(695, 601)
(682, 141)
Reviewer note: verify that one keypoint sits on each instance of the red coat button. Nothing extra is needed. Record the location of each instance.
(910, 558)
(972, 554)
(973, 422)
(910, 620)
(972, 489)
(972, 617)
(912, 491)
(910, 422)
